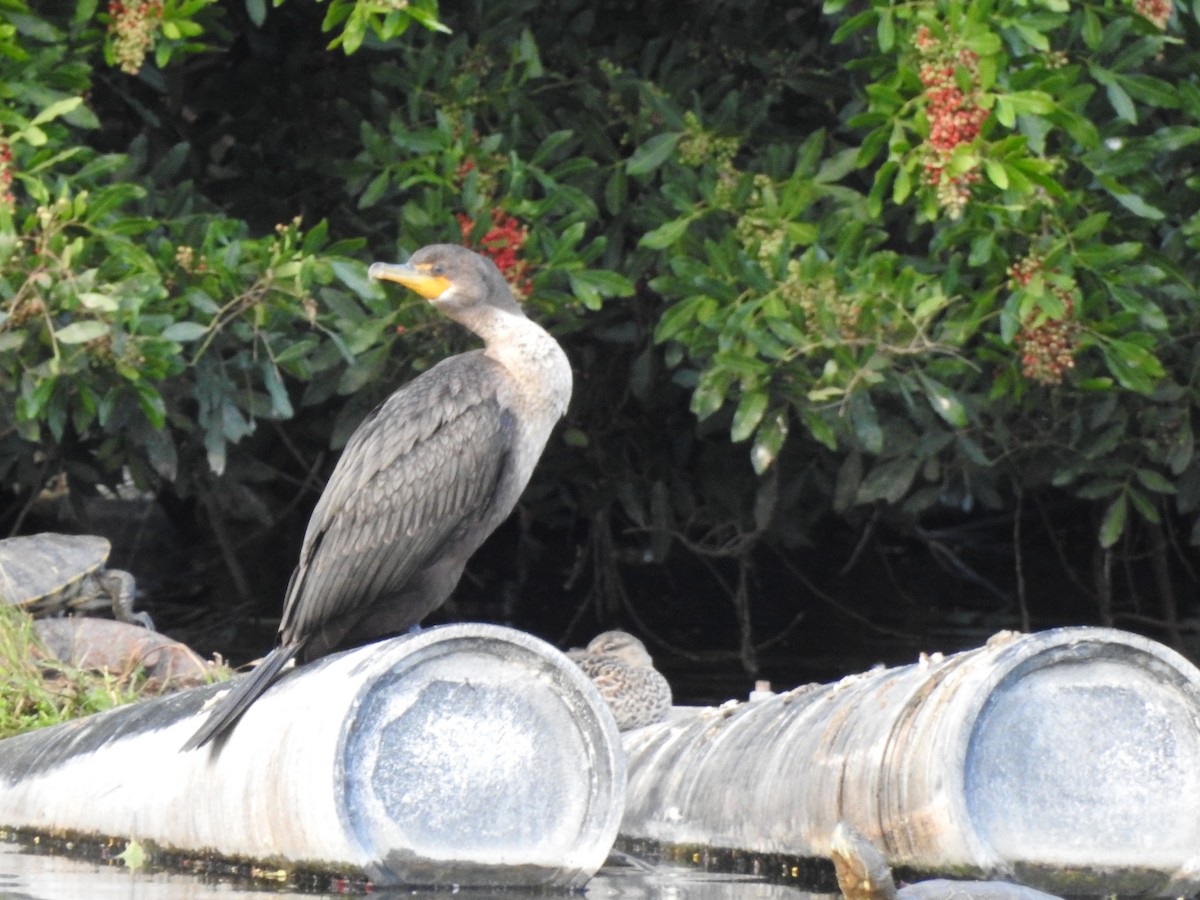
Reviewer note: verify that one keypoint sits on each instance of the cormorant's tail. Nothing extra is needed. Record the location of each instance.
(246, 690)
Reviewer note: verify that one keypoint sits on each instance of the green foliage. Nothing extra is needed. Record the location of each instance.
(159, 333)
(387, 20)
(38, 690)
(1006, 300)
(896, 259)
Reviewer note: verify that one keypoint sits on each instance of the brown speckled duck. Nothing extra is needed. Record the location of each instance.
(620, 667)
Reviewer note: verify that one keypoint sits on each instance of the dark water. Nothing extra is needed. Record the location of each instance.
(37, 877)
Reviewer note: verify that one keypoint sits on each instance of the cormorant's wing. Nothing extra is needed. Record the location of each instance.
(419, 470)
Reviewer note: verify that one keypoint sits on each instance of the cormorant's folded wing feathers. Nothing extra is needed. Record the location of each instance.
(424, 465)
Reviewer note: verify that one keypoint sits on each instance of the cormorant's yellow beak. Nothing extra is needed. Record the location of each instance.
(417, 278)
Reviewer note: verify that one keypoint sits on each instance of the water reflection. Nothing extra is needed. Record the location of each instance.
(36, 877)
(632, 880)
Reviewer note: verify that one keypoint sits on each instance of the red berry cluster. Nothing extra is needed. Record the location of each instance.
(954, 115)
(925, 40)
(464, 167)
(1047, 349)
(133, 28)
(486, 169)
(502, 242)
(6, 174)
(1157, 11)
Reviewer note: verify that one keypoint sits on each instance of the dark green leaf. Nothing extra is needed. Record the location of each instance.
(605, 282)
(1151, 91)
(1102, 487)
(184, 331)
(353, 274)
(853, 24)
(550, 146)
(888, 481)
(81, 332)
(652, 154)
(1091, 28)
(616, 191)
(865, 422)
(257, 11)
(749, 413)
(885, 31)
(1113, 525)
(769, 440)
(281, 404)
(1132, 202)
(1144, 505)
(1136, 368)
(1121, 102)
(666, 234)
(820, 429)
(945, 402)
(848, 481)
(152, 404)
(375, 190)
(709, 396)
(677, 318)
(1154, 481)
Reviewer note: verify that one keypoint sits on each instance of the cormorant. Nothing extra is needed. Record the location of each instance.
(426, 477)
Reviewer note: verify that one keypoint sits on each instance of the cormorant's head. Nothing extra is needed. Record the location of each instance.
(452, 278)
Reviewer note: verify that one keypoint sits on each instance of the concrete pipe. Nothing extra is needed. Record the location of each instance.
(1068, 759)
(467, 755)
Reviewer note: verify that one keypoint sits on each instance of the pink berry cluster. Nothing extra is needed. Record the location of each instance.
(1157, 11)
(954, 115)
(133, 28)
(6, 174)
(1047, 349)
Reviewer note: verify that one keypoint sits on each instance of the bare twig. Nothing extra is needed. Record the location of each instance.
(1179, 628)
(1166, 590)
(832, 602)
(1019, 560)
(1102, 573)
(741, 603)
(233, 565)
(863, 541)
(1072, 575)
(1179, 553)
(955, 563)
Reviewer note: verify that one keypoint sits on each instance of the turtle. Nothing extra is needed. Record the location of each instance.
(52, 574)
(863, 874)
(619, 665)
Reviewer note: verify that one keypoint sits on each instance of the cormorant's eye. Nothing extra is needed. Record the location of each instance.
(439, 270)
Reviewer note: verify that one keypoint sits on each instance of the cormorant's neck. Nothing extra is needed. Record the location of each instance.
(533, 358)
(494, 326)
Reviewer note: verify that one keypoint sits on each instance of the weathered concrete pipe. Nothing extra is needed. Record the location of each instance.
(467, 754)
(1068, 759)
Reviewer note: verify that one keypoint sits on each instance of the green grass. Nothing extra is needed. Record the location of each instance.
(37, 689)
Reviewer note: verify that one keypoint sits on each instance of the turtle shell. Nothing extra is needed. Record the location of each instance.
(44, 572)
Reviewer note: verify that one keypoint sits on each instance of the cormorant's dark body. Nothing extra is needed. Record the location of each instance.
(423, 480)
